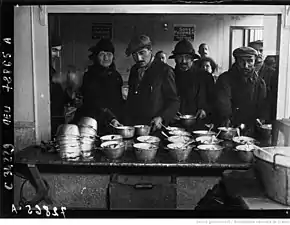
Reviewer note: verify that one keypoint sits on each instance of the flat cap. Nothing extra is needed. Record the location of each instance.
(258, 42)
(137, 43)
(245, 51)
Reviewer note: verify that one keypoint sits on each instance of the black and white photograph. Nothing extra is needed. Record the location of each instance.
(148, 110)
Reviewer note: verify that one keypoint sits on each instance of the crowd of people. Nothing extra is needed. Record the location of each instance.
(157, 92)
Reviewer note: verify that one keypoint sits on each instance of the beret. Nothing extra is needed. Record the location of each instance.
(137, 43)
(245, 51)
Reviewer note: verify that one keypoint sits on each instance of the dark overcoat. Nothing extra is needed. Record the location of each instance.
(152, 96)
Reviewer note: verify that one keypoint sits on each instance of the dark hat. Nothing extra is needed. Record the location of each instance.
(55, 41)
(258, 42)
(183, 47)
(103, 45)
(137, 43)
(244, 51)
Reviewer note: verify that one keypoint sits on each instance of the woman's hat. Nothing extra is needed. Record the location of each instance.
(103, 45)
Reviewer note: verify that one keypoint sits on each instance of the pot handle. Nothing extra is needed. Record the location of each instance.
(274, 158)
(143, 186)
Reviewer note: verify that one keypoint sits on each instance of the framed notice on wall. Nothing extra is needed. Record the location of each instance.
(182, 31)
(101, 30)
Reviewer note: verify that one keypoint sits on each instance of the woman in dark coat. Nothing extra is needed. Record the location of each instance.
(102, 88)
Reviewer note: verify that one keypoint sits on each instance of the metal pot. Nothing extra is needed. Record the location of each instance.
(113, 149)
(149, 139)
(245, 152)
(125, 131)
(111, 137)
(187, 120)
(227, 133)
(145, 151)
(142, 130)
(67, 130)
(178, 151)
(88, 122)
(210, 153)
(273, 168)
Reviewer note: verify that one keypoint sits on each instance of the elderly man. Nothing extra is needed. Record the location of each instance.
(190, 81)
(152, 97)
(241, 92)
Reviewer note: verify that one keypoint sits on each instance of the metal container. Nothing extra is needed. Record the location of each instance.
(245, 152)
(179, 139)
(210, 153)
(187, 120)
(203, 133)
(273, 169)
(87, 131)
(145, 151)
(125, 131)
(179, 133)
(67, 130)
(178, 151)
(113, 149)
(142, 130)
(111, 137)
(227, 133)
(88, 122)
(149, 139)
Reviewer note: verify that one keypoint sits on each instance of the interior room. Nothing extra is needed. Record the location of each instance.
(186, 183)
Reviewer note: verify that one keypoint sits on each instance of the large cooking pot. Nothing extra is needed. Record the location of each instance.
(187, 120)
(273, 168)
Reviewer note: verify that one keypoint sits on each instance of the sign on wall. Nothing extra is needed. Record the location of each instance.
(101, 30)
(182, 31)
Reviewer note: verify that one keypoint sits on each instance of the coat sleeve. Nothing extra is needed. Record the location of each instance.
(223, 98)
(263, 101)
(127, 104)
(171, 100)
(203, 94)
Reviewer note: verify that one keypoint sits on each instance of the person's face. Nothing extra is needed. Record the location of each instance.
(105, 59)
(142, 57)
(203, 51)
(207, 67)
(55, 52)
(259, 49)
(246, 64)
(162, 57)
(184, 62)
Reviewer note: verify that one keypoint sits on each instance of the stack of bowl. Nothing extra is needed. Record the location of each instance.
(88, 132)
(68, 141)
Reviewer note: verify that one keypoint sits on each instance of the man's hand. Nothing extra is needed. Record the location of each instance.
(156, 123)
(201, 114)
(116, 123)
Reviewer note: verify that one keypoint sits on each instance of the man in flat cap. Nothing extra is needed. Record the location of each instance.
(241, 92)
(193, 85)
(152, 97)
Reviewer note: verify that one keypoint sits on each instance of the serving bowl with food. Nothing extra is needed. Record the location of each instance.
(208, 140)
(179, 151)
(111, 137)
(210, 153)
(113, 149)
(245, 152)
(142, 130)
(149, 139)
(244, 140)
(179, 139)
(179, 133)
(125, 131)
(203, 133)
(174, 128)
(145, 151)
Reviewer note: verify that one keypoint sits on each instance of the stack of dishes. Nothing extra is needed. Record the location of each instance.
(88, 132)
(68, 141)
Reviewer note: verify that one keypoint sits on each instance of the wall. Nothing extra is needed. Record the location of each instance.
(23, 84)
(212, 29)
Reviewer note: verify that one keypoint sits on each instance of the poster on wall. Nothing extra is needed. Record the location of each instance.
(101, 30)
(182, 31)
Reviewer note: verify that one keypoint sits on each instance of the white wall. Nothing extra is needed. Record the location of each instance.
(212, 29)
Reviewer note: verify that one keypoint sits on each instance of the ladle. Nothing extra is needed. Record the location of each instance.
(188, 143)
(162, 132)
